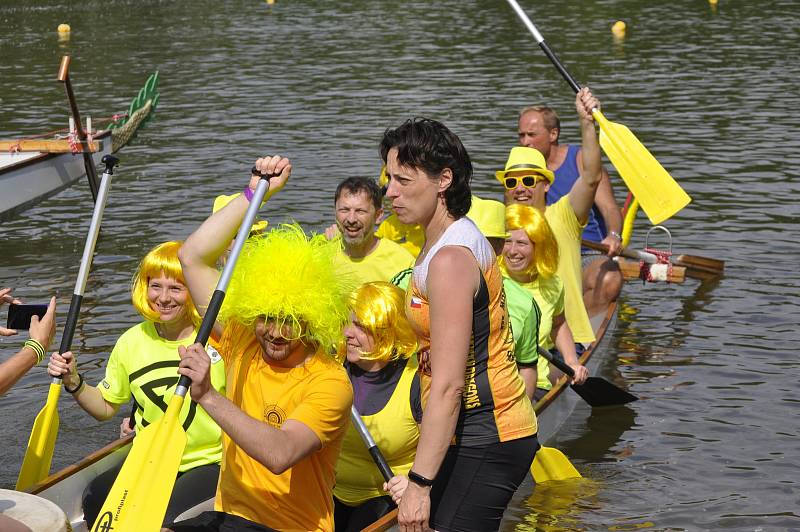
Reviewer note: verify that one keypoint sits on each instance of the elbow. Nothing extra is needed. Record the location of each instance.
(185, 255)
(449, 393)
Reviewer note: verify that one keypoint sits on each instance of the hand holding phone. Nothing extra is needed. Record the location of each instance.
(7, 297)
(19, 316)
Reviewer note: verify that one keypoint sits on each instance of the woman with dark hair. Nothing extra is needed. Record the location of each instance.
(478, 433)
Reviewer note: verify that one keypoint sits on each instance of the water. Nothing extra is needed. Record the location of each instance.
(711, 91)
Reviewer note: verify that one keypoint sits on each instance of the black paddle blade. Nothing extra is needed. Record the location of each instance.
(599, 392)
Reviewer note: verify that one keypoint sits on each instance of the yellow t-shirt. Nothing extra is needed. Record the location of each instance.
(567, 231)
(411, 237)
(317, 394)
(381, 264)
(549, 295)
(145, 366)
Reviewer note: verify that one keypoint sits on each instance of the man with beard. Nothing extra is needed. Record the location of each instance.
(365, 256)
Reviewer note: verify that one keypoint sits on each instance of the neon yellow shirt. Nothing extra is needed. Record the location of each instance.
(549, 295)
(145, 366)
(411, 237)
(381, 264)
(567, 231)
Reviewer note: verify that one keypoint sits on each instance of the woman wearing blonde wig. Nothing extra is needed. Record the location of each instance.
(530, 257)
(378, 351)
(144, 365)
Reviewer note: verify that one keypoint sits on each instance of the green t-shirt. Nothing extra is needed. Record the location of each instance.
(549, 295)
(145, 366)
(381, 264)
(524, 315)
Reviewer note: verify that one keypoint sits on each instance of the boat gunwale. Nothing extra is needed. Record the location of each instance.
(43, 156)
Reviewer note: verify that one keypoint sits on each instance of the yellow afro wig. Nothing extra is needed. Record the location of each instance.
(289, 276)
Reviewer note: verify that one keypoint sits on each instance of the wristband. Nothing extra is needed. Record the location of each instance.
(248, 193)
(419, 480)
(615, 235)
(77, 388)
(37, 348)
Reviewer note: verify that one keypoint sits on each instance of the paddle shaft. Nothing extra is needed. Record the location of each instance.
(372, 447)
(88, 163)
(86, 259)
(210, 317)
(687, 261)
(557, 362)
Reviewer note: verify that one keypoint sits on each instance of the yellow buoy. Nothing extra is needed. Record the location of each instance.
(618, 28)
(712, 2)
(64, 28)
(270, 2)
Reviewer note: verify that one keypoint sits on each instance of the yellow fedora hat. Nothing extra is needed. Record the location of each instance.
(489, 216)
(524, 158)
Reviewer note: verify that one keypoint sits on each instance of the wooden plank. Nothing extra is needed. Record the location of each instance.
(45, 146)
(630, 270)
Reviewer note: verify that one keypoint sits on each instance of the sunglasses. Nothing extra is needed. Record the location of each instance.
(528, 181)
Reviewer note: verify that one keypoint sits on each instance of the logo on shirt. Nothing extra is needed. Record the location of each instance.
(105, 384)
(274, 415)
(416, 302)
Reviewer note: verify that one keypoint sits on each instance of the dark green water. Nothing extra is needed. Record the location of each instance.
(712, 92)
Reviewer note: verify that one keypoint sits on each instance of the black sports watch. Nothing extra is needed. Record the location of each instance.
(419, 480)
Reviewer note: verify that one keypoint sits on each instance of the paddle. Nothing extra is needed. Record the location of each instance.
(39, 454)
(658, 193)
(140, 494)
(88, 163)
(596, 390)
(696, 267)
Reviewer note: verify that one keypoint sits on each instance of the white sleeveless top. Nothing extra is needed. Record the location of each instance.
(463, 232)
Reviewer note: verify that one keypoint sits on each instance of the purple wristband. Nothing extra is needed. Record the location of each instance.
(248, 193)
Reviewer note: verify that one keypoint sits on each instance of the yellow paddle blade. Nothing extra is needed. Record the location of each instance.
(658, 193)
(552, 464)
(39, 454)
(138, 499)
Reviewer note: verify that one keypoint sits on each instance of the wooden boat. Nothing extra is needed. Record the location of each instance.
(32, 170)
(65, 488)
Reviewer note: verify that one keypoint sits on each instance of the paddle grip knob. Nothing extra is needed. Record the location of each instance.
(110, 161)
(255, 171)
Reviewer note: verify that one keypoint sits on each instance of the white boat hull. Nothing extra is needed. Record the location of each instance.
(27, 178)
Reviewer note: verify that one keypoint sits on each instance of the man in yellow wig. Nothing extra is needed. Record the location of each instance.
(288, 401)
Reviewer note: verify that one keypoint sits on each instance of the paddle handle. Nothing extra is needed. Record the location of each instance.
(86, 260)
(210, 317)
(544, 46)
(557, 362)
(372, 447)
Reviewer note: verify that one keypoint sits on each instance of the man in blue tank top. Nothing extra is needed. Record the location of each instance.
(539, 127)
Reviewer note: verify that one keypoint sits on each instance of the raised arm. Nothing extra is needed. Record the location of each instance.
(581, 197)
(200, 252)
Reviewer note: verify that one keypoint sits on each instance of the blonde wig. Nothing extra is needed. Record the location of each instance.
(379, 308)
(531, 220)
(290, 277)
(161, 260)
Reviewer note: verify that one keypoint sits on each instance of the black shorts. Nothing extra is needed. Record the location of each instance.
(354, 518)
(475, 484)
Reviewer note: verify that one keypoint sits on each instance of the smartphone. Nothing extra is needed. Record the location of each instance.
(19, 316)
